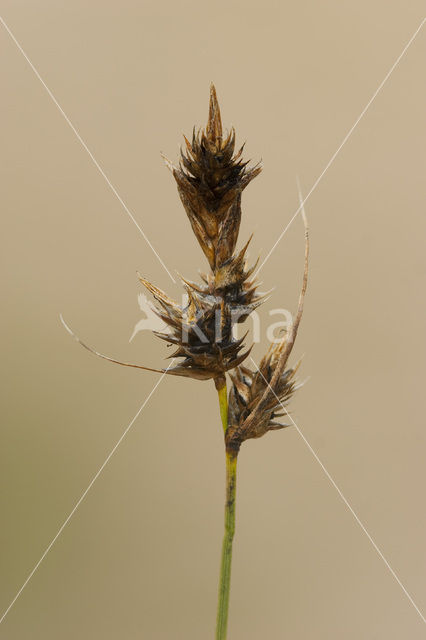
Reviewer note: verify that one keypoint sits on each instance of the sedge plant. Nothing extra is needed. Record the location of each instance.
(210, 180)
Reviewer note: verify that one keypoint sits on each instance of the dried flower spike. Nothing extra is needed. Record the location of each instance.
(210, 186)
(256, 397)
(248, 388)
(210, 181)
(202, 332)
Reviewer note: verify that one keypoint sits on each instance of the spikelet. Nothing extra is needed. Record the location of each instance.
(201, 331)
(210, 180)
(258, 397)
(232, 281)
(248, 388)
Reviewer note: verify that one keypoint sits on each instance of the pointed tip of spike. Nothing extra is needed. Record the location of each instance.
(141, 278)
(167, 162)
(242, 253)
(214, 123)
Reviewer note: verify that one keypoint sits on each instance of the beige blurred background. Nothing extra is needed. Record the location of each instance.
(139, 559)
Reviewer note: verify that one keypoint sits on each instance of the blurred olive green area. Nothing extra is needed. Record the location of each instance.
(140, 557)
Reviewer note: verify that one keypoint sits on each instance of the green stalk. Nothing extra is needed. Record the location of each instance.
(223, 405)
(231, 486)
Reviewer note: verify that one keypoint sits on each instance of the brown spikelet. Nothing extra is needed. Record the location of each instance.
(248, 388)
(201, 331)
(210, 181)
(270, 386)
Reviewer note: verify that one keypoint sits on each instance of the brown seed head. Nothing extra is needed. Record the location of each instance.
(210, 181)
(248, 388)
(202, 332)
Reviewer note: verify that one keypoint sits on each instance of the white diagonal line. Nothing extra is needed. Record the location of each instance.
(86, 148)
(84, 494)
(345, 139)
(344, 499)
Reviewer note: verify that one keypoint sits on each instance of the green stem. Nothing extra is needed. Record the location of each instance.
(231, 485)
(223, 405)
